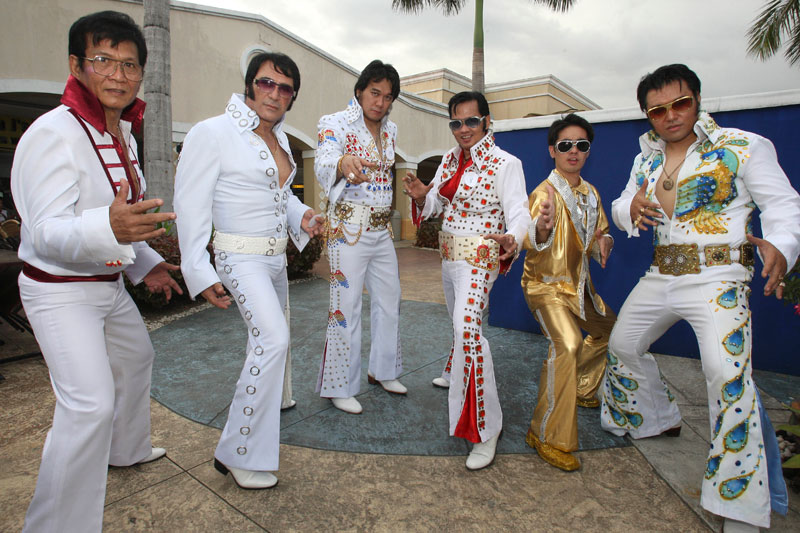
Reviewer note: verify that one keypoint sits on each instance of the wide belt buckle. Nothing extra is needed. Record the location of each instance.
(718, 255)
(445, 246)
(379, 219)
(677, 259)
(343, 211)
(747, 254)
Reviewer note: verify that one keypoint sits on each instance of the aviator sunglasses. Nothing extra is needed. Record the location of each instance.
(268, 85)
(471, 122)
(678, 105)
(565, 146)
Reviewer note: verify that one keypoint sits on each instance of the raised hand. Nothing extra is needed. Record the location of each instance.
(643, 212)
(414, 188)
(507, 242)
(312, 223)
(774, 266)
(217, 296)
(159, 280)
(354, 169)
(605, 243)
(546, 219)
(132, 222)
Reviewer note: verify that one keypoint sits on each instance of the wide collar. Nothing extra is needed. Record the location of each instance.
(244, 118)
(705, 128)
(479, 151)
(354, 112)
(78, 97)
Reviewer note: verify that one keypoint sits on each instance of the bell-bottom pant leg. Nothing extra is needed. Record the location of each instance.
(100, 358)
(251, 437)
(472, 367)
(574, 367)
(735, 483)
(635, 398)
(372, 256)
(383, 284)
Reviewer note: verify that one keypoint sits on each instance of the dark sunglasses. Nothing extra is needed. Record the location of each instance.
(471, 122)
(678, 105)
(268, 85)
(565, 146)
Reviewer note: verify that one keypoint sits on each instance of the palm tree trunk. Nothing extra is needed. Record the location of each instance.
(158, 169)
(477, 49)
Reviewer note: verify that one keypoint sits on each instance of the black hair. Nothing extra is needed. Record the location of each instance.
(112, 25)
(378, 71)
(569, 120)
(282, 63)
(664, 76)
(469, 96)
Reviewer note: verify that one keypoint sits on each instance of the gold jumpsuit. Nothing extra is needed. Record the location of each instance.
(559, 292)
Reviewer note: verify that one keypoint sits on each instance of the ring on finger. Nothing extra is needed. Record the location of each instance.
(782, 284)
(641, 210)
(637, 221)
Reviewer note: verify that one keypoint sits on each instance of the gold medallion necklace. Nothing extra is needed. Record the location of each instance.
(667, 183)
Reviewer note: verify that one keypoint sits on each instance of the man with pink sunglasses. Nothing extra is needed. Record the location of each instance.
(235, 174)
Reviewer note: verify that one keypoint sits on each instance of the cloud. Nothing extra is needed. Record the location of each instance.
(600, 48)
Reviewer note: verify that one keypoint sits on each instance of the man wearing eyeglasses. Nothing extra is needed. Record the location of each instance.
(353, 164)
(569, 227)
(480, 191)
(79, 190)
(695, 185)
(235, 175)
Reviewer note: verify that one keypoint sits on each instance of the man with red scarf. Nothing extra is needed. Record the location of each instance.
(480, 190)
(79, 190)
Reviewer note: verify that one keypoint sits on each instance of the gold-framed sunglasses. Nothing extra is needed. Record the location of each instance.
(679, 105)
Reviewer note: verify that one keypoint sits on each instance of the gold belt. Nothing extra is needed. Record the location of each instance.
(476, 251)
(679, 259)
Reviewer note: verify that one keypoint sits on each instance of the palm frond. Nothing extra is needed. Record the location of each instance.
(448, 7)
(778, 19)
(556, 5)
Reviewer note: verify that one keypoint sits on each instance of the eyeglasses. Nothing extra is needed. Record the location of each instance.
(679, 105)
(471, 122)
(105, 66)
(268, 85)
(565, 146)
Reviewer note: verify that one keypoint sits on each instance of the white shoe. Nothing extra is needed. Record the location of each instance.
(348, 405)
(482, 454)
(390, 385)
(247, 479)
(155, 453)
(441, 383)
(735, 526)
(289, 405)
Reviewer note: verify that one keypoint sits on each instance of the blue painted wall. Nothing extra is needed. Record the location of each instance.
(776, 330)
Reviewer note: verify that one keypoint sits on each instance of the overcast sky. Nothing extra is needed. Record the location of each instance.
(601, 47)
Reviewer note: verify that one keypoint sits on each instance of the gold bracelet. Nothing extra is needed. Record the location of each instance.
(339, 167)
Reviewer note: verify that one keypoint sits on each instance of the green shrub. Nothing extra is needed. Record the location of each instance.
(299, 264)
(428, 233)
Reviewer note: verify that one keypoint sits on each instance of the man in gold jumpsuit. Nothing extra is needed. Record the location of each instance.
(568, 227)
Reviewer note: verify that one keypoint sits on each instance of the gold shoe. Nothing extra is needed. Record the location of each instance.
(590, 403)
(563, 460)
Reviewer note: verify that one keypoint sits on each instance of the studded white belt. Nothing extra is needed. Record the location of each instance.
(368, 217)
(475, 250)
(240, 244)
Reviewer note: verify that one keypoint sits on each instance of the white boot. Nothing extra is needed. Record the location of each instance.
(247, 479)
(348, 405)
(482, 454)
(155, 453)
(441, 383)
(390, 385)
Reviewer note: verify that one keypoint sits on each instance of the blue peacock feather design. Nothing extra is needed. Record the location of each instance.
(734, 341)
(702, 197)
(730, 489)
(712, 465)
(736, 439)
(728, 299)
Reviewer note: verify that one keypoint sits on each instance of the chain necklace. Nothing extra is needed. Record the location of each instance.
(667, 183)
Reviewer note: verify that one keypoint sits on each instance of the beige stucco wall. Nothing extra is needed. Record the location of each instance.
(207, 50)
